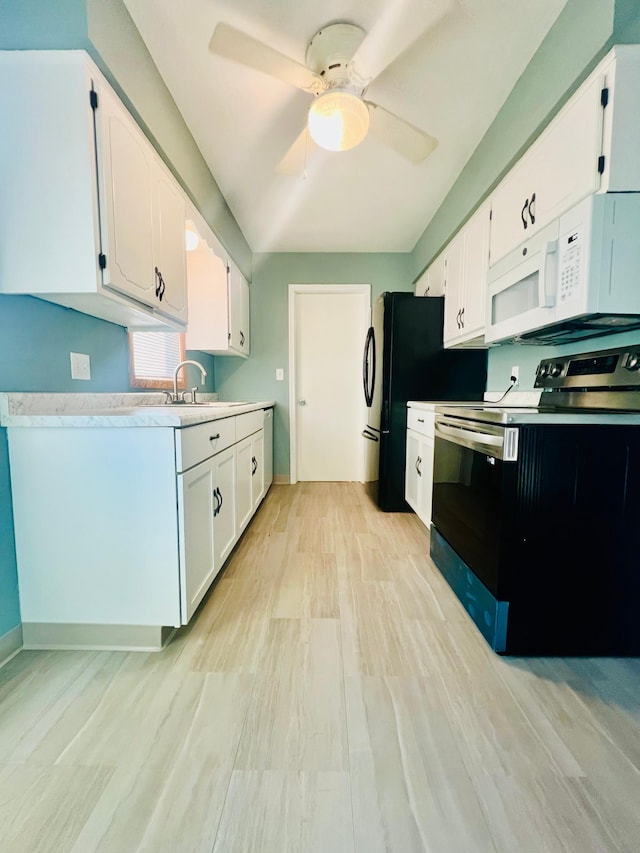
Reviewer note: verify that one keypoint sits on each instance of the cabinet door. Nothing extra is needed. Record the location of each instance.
(476, 264)
(268, 448)
(244, 502)
(257, 469)
(425, 484)
(238, 311)
(225, 519)
(431, 283)
(169, 246)
(125, 195)
(453, 266)
(559, 170)
(207, 290)
(412, 475)
(197, 504)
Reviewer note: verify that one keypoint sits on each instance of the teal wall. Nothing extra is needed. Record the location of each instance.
(254, 378)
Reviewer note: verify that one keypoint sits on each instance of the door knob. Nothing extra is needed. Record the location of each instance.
(302, 402)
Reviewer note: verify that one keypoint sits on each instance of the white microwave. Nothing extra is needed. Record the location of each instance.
(578, 277)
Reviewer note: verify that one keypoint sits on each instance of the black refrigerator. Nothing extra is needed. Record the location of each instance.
(404, 360)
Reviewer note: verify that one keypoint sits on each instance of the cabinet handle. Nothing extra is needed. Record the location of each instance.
(160, 285)
(221, 499)
(420, 420)
(216, 509)
(241, 339)
(525, 206)
(458, 319)
(254, 466)
(532, 210)
(418, 464)
(214, 437)
(462, 318)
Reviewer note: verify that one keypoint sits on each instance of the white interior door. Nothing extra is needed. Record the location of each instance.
(328, 406)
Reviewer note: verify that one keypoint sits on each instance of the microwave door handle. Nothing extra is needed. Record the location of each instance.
(548, 279)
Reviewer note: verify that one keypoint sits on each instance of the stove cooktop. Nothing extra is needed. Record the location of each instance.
(498, 414)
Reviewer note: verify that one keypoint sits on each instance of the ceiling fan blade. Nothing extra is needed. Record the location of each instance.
(407, 140)
(233, 44)
(294, 161)
(394, 33)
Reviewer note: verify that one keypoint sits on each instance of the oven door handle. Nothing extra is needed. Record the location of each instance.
(503, 444)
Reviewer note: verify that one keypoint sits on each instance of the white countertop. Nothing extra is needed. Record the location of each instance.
(113, 410)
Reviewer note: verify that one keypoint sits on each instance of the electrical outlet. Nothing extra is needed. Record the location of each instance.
(80, 365)
(279, 374)
(515, 373)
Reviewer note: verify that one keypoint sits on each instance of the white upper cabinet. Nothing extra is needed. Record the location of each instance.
(431, 282)
(170, 269)
(453, 287)
(466, 265)
(239, 340)
(80, 174)
(590, 146)
(218, 296)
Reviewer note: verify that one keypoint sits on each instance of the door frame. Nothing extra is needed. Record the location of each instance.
(295, 290)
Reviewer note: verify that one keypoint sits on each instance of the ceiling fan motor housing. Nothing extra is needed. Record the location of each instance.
(330, 53)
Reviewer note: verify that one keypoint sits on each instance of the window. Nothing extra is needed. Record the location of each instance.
(153, 356)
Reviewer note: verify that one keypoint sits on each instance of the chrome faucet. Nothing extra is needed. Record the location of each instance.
(174, 398)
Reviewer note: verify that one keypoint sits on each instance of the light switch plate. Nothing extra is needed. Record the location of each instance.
(280, 374)
(80, 365)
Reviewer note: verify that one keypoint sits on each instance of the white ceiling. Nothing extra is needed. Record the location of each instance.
(446, 66)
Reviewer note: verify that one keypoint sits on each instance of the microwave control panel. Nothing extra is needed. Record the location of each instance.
(570, 261)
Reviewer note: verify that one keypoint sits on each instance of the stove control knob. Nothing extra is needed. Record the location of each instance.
(544, 370)
(633, 362)
(555, 369)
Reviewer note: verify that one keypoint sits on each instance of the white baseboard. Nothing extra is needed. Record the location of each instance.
(129, 638)
(10, 644)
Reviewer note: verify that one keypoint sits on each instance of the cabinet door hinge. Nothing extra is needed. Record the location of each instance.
(93, 99)
(102, 261)
(604, 96)
(601, 160)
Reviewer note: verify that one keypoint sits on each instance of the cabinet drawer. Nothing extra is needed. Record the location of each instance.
(195, 443)
(248, 423)
(420, 421)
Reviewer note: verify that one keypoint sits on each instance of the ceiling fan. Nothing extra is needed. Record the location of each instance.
(339, 117)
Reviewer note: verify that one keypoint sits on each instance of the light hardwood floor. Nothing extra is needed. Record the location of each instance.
(330, 695)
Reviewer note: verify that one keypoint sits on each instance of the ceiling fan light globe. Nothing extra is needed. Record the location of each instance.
(338, 121)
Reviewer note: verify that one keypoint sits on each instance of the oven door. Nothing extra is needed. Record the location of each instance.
(474, 489)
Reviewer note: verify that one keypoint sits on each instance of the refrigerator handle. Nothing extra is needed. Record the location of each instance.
(369, 366)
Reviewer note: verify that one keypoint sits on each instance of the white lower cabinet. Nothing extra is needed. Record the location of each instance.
(419, 463)
(197, 504)
(257, 469)
(225, 529)
(244, 504)
(127, 527)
